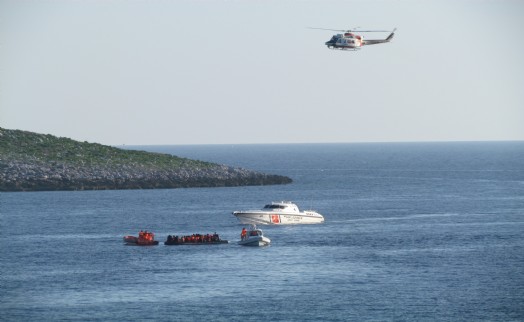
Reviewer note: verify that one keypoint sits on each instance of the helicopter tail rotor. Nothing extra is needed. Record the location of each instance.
(391, 35)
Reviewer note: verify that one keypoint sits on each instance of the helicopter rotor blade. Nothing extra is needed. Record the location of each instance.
(369, 30)
(351, 30)
(341, 30)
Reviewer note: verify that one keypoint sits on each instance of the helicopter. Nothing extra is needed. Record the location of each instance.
(349, 40)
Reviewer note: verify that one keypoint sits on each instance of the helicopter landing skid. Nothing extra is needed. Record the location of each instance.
(345, 49)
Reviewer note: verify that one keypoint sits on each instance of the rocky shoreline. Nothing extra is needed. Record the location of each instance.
(36, 162)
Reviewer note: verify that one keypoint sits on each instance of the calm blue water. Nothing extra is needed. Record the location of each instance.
(414, 232)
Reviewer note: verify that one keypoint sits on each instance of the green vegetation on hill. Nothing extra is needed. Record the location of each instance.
(31, 161)
(49, 148)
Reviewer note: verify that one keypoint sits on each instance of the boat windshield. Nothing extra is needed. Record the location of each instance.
(274, 207)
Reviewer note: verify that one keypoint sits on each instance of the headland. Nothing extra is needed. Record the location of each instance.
(43, 162)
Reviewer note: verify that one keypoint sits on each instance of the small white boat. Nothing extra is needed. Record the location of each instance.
(279, 213)
(254, 237)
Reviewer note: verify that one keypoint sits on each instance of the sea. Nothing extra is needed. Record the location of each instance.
(412, 232)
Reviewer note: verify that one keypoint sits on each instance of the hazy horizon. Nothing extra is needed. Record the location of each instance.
(251, 72)
(320, 143)
(283, 143)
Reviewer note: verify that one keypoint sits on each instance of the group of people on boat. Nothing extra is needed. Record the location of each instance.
(252, 232)
(145, 236)
(194, 238)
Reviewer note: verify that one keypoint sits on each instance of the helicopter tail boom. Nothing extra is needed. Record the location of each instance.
(379, 41)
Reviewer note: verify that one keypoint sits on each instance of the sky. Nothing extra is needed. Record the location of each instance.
(246, 72)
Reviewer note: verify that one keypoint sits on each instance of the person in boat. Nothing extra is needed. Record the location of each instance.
(149, 236)
(243, 234)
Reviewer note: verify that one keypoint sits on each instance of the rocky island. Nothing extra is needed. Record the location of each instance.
(38, 162)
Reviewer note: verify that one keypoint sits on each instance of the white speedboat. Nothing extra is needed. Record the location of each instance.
(254, 237)
(279, 213)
